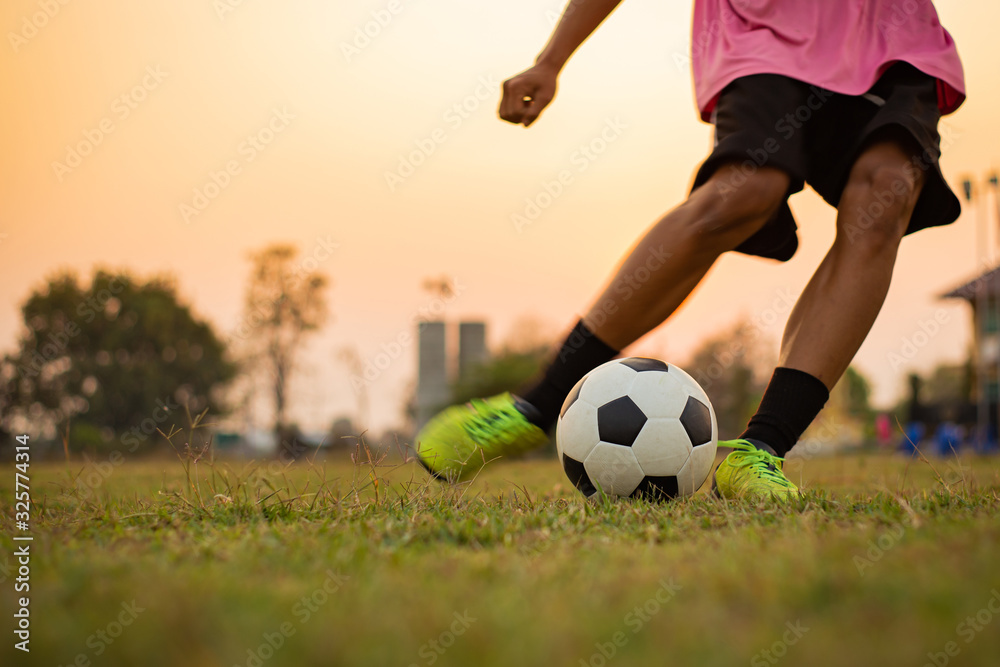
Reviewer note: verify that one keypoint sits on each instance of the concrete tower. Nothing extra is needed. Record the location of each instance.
(432, 371)
(471, 346)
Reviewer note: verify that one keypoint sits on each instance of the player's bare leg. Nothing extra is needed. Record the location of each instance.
(839, 305)
(678, 250)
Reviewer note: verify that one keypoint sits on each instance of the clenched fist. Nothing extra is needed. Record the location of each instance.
(525, 95)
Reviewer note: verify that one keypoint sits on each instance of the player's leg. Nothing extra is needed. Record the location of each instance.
(839, 305)
(654, 278)
(832, 316)
(674, 255)
(874, 157)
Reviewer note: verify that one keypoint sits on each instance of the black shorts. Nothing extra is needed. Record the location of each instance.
(815, 136)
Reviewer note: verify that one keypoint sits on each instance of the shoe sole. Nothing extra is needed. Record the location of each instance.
(433, 473)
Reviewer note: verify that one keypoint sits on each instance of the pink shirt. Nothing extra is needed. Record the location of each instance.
(840, 45)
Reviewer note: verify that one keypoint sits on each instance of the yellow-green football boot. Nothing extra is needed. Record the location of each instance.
(457, 442)
(752, 471)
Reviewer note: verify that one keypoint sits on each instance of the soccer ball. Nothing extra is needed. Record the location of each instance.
(637, 428)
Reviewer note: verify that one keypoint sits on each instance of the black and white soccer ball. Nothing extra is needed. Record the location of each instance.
(637, 427)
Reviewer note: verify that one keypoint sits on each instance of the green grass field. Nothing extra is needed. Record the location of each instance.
(885, 561)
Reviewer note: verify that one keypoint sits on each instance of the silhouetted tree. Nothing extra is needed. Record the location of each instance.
(733, 369)
(117, 358)
(284, 302)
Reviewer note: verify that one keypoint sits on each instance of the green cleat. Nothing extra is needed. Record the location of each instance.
(457, 442)
(752, 471)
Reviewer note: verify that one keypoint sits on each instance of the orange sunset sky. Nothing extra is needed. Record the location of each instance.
(310, 118)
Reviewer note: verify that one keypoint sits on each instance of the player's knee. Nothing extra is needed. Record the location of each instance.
(876, 205)
(728, 214)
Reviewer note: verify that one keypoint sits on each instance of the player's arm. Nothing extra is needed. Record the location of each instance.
(525, 95)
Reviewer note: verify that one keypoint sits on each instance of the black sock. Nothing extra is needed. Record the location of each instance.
(791, 402)
(579, 354)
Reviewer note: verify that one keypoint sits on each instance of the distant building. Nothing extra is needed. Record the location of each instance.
(471, 346)
(982, 293)
(434, 372)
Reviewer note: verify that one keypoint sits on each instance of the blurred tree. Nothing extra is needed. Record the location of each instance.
(854, 391)
(118, 357)
(284, 302)
(531, 334)
(8, 371)
(912, 405)
(848, 418)
(950, 383)
(947, 390)
(343, 434)
(733, 369)
(509, 370)
(441, 286)
(350, 357)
